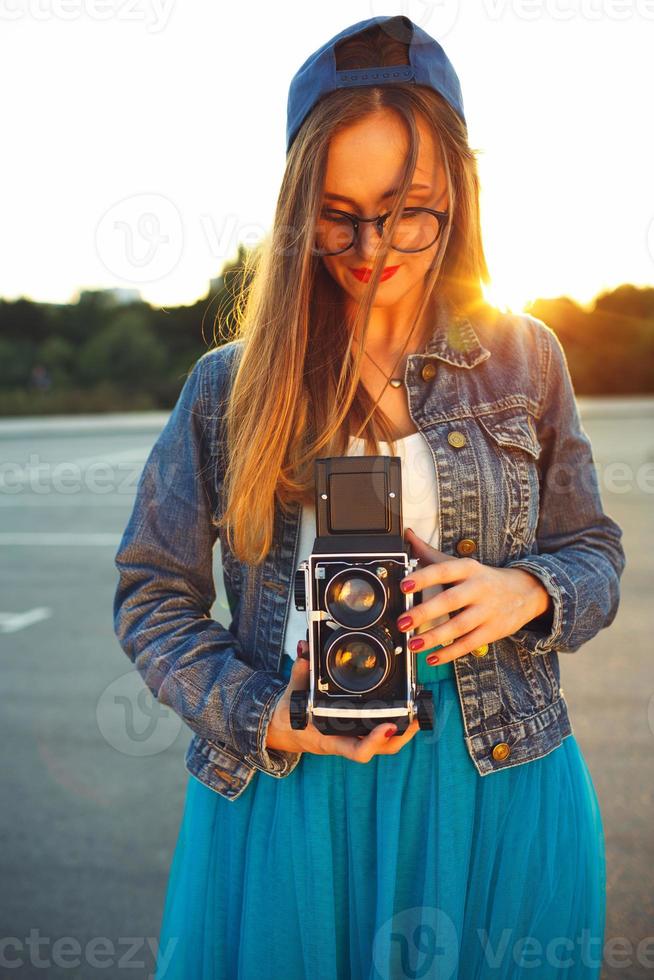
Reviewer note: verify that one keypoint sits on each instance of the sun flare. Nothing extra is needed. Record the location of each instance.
(505, 299)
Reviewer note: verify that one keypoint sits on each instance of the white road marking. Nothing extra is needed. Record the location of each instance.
(13, 622)
(83, 499)
(42, 425)
(40, 538)
(138, 454)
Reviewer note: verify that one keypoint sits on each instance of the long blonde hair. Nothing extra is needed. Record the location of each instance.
(295, 394)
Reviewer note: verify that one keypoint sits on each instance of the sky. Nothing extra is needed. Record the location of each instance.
(144, 140)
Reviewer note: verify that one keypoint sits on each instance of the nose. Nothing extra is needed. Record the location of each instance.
(368, 241)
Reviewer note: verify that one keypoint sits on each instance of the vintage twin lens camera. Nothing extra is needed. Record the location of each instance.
(362, 671)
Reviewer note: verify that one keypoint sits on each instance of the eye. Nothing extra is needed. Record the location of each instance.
(327, 214)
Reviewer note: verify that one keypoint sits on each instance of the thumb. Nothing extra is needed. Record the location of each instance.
(299, 677)
(380, 736)
(423, 550)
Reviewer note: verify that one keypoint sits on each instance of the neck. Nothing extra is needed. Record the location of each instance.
(390, 334)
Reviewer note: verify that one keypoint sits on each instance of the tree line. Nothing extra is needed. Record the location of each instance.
(99, 355)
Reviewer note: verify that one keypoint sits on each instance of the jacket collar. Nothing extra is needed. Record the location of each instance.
(454, 339)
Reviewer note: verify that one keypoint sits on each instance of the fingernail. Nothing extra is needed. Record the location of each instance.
(404, 622)
(299, 647)
(416, 643)
(407, 585)
(390, 731)
(432, 659)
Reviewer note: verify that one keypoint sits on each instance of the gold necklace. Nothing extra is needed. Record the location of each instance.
(395, 382)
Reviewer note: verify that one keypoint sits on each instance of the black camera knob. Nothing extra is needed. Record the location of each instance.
(300, 591)
(425, 710)
(298, 709)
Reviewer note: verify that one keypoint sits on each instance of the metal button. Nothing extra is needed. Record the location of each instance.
(456, 439)
(501, 751)
(466, 546)
(428, 371)
(225, 775)
(481, 651)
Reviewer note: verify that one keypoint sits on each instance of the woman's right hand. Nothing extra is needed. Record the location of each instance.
(359, 748)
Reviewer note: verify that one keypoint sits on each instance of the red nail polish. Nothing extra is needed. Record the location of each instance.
(390, 731)
(299, 647)
(432, 659)
(416, 643)
(408, 585)
(404, 622)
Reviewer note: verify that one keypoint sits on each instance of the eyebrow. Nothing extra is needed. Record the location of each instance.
(388, 193)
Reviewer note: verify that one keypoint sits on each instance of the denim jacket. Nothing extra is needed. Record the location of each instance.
(516, 487)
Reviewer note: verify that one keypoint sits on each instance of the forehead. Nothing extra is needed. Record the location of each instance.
(367, 157)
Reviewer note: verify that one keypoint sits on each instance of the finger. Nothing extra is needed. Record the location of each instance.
(397, 742)
(456, 626)
(345, 745)
(422, 548)
(372, 743)
(299, 676)
(447, 601)
(463, 644)
(363, 749)
(442, 572)
(376, 742)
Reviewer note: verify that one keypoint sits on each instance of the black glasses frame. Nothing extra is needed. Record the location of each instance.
(379, 222)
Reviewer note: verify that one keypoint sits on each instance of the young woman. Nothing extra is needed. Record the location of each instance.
(475, 850)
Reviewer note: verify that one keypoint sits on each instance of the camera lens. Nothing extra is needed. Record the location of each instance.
(355, 598)
(357, 662)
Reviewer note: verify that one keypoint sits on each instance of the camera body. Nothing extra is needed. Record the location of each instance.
(362, 672)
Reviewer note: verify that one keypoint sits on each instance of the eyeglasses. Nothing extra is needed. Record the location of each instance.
(416, 230)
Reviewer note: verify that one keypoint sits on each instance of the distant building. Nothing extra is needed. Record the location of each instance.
(124, 295)
(117, 296)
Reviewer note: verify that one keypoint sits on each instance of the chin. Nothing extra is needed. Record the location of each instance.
(385, 295)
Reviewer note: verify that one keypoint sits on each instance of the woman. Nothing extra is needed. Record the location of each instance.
(387, 855)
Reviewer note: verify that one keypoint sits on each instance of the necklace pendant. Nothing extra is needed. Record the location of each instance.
(396, 382)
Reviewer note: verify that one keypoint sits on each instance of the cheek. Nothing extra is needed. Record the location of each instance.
(416, 266)
(335, 268)
(339, 272)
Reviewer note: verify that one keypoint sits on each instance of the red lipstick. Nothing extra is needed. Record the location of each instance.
(363, 274)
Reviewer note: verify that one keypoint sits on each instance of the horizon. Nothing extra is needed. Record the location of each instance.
(115, 291)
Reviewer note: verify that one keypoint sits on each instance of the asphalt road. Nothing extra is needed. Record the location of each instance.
(92, 771)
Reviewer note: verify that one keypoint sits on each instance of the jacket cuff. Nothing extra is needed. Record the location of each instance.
(550, 630)
(249, 720)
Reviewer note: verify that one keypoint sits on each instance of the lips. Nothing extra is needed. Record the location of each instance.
(363, 275)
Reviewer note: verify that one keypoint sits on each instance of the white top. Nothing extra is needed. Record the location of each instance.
(419, 512)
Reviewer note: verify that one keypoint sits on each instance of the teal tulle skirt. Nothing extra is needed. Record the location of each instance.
(410, 866)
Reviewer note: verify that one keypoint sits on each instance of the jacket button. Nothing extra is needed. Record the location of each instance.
(501, 751)
(456, 439)
(428, 371)
(481, 651)
(225, 775)
(466, 546)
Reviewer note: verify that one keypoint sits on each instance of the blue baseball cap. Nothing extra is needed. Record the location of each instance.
(428, 65)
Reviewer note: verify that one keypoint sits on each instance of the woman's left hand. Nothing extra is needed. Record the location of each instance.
(494, 602)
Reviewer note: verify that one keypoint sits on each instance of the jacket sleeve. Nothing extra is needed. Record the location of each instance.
(579, 558)
(162, 603)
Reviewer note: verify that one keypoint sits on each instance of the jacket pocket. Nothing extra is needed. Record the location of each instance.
(512, 437)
